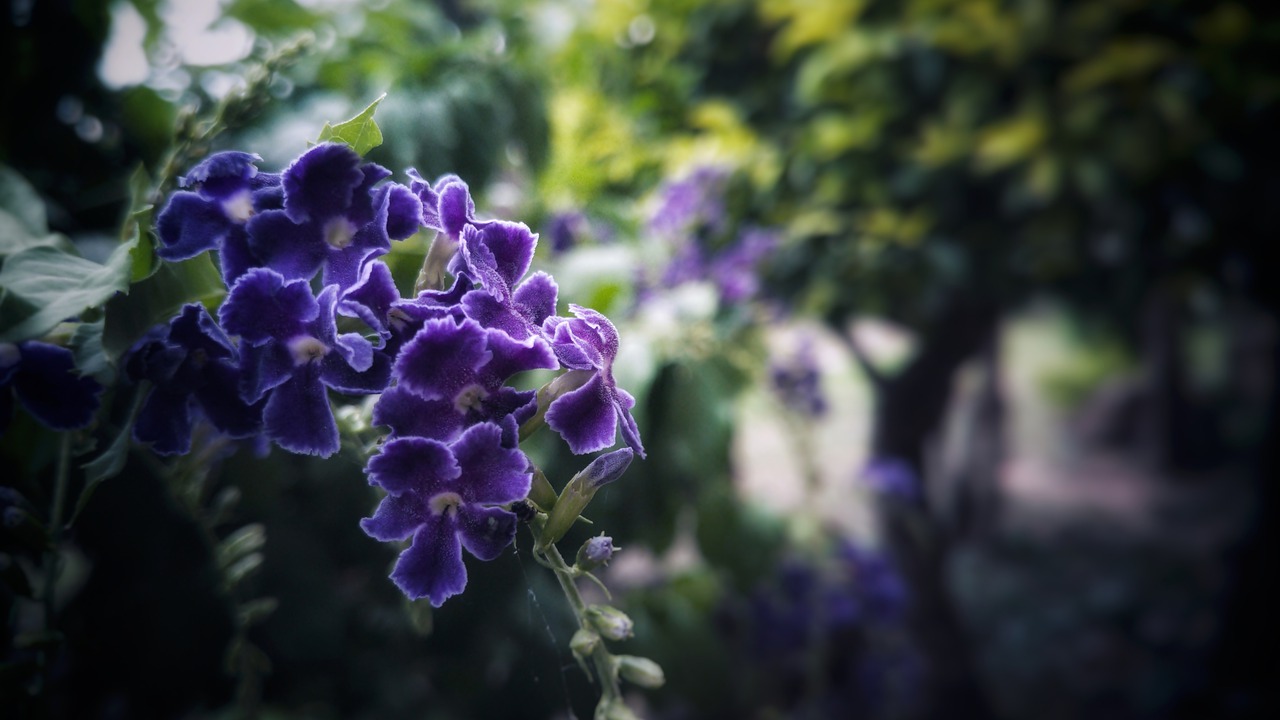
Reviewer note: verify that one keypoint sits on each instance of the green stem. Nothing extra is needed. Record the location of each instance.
(600, 657)
(51, 560)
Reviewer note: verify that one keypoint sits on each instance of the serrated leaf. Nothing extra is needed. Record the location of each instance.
(157, 299)
(360, 132)
(57, 286)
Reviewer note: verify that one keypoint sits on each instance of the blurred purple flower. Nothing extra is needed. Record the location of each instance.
(44, 380)
(191, 365)
(893, 476)
(798, 382)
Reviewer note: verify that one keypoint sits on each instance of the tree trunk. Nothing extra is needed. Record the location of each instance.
(908, 413)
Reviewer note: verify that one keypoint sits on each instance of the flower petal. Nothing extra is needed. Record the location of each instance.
(262, 307)
(340, 376)
(490, 472)
(396, 518)
(432, 566)
(486, 531)
(165, 421)
(404, 211)
(442, 358)
(298, 417)
(49, 387)
(413, 464)
(189, 225)
(320, 183)
(407, 414)
(295, 250)
(220, 400)
(586, 417)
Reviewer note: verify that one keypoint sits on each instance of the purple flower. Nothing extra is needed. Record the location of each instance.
(445, 497)
(892, 476)
(463, 366)
(44, 380)
(589, 417)
(191, 364)
(566, 230)
(227, 191)
(692, 202)
(734, 270)
(498, 254)
(333, 217)
(798, 383)
(291, 348)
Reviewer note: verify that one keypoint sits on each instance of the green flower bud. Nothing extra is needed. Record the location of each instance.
(614, 709)
(641, 671)
(610, 622)
(575, 496)
(584, 642)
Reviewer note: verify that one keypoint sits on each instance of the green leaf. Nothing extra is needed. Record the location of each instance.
(55, 285)
(360, 132)
(137, 226)
(157, 299)
(112, 460)
(14, 238)
(21, 201)
(86, 347)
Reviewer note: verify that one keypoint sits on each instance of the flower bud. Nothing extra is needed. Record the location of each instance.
(610, 622)
(584, 643)
(614, 709)
(605, 468)
(595, 552)
(579, 491)
(641, 671)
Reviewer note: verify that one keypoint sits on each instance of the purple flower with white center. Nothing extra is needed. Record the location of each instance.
(333, 217)
(191, 364)
(465, 365)
(43, 379)
(590, 416)
(291, 348)
(498, 254)
(446, 497)
(227, 191)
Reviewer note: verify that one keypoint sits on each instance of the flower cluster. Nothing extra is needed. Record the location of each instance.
(849, 606)
(300, 252)
(692, 217)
